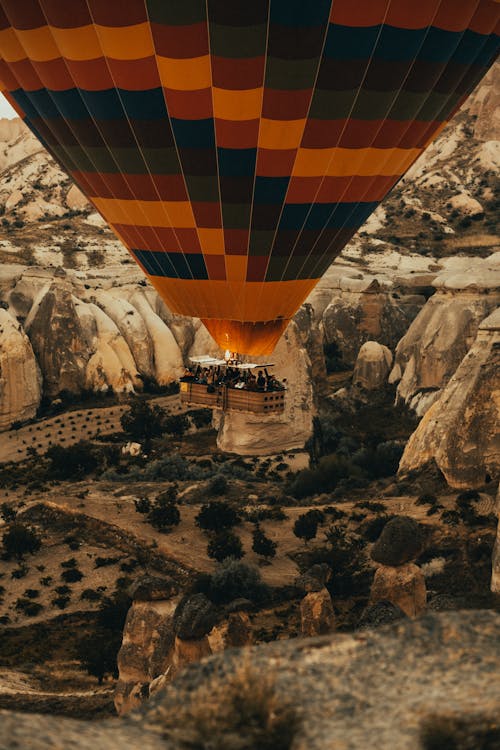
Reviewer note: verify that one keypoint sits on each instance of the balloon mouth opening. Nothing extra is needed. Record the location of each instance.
(257, 339)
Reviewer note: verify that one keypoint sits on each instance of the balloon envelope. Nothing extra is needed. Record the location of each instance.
(236, 147)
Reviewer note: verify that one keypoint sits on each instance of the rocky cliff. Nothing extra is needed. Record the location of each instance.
(426, 691)
(460, 430)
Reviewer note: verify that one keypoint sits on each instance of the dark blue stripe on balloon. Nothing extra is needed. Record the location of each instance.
(320, 215)
(270, 189)
(236, 162)
(300, 12)
(194, 133)
(172, 265)
(76, 104)
(431, 44)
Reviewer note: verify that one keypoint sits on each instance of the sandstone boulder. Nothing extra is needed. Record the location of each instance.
(315, 578)
(459, 432)
(466, 205)
(372, 366)
(316, 614)
(189, 652)
(75, 199)
(495, 567)
(152, 588)
(239, 630)
(403, 586)
(146, 652)
(381, 613)
(399, 542)
(194, 617)
(20, 379)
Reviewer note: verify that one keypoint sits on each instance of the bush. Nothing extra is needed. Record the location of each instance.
(306, 526)
(72, 462)
(176, 425)
(233, 579)
(61, 602)
(262, 544)
(164, 515)
(142, 505)
(71, 563)
(101, 562)
(218, 485)
(90, 595)
(73, 575)
(217, 515)
(201, 417)
(143, 422)
(324, 477)
(28, 607)
(7, 512)
(225, 544)
(20, 540)
(382, 461)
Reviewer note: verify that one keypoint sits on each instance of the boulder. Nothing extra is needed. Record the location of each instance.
(316, 614)
(239, 630)
(315, 578)
(459, 432)
(147, 650)
(152, 588)
(194, 617)
(403, 586)
(256, 434)
(372, 366)
(75, 199)
(20, 379)
(466, 205)
(399, 542)
(189, 652)
(13, 200)
(381, 613)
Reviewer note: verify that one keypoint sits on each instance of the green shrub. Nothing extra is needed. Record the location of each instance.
(73, 575)
(233, 579)
(324, 477)
(225, 544)
(20, 540)
(28, 607)
(262, 544)
(306, 526)
(164, 515)
(218, 485)
(217, 515)
(73, 462)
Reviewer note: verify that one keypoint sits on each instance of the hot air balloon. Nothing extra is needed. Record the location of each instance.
(235, 147)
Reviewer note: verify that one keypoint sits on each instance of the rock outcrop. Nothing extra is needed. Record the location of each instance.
(460, 430)
(364, 310)
(403, 586)
(316, 614)
(147, 648)
(443, 332)
(433, 682)
(20, 380)
(372, 366)
(254, 434)
(399, 542)
(495, 565)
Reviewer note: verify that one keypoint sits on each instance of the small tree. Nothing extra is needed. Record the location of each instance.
(225, 544)
(218, 485)
(217, 515)
(306, 527)
(143, 422)
(176, 425)
(262, 544)
(163, 515)
(72, 462)
(7, 512)
(20, 540)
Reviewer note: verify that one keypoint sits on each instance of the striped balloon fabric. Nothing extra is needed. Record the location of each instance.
(235, 146)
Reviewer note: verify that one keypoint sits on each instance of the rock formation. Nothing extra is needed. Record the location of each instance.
(254, 434)
(495, 566)
(432, 680)
(372, 366)
(148, 641)
(316, 614)
(20, 380)
(397, 580)
(460, 430)
(364, 310)
(443, 332)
